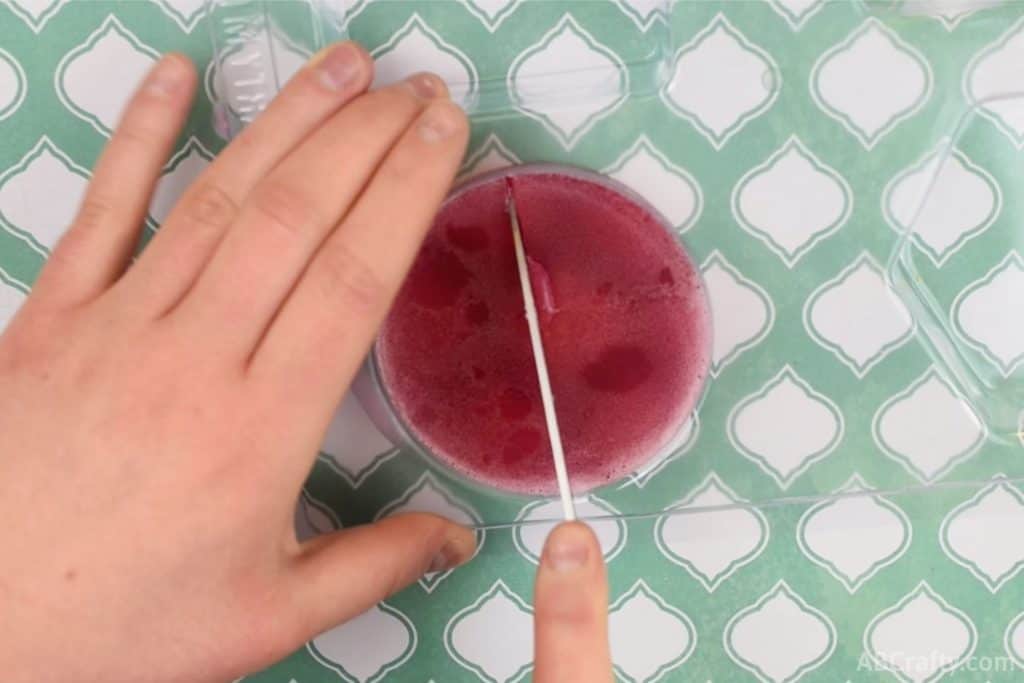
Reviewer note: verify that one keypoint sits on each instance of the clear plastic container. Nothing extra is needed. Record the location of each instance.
(546, 97)
(975, 329)
(381, 405)
(258, 45)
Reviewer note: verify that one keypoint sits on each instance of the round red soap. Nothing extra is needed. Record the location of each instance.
(624, 320)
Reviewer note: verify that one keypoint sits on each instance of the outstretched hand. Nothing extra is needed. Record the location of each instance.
(170, 411)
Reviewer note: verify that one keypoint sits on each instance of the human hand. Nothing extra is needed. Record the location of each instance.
(169, 413)
(570, 608)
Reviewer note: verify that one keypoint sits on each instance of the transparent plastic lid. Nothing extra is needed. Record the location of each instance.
(258, 45)
(790, 413)
(962, 204)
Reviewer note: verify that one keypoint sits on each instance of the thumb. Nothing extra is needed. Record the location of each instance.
(571, 609)
(339, 576)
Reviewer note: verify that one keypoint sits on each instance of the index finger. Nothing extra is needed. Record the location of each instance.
(571, 609)
(315, 344)
(179, 252)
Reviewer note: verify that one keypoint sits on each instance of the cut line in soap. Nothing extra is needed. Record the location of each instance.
(540, 362)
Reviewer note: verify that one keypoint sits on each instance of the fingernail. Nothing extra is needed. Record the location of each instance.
(427, 86)
(567, 548)
(166, 77)
(338, 67)
(439, 123)
(447, 558)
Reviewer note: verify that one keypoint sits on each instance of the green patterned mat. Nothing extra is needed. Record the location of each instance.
(790, 149)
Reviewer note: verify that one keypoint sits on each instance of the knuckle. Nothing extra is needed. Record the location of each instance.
(403, 166)
(94, 212)
(210, 206)
(345, 277)
(133, 134)
(249, 143)
(285, 209)
(568, 609)
(94, 215)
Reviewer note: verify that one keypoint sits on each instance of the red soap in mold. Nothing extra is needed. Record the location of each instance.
(623, 317)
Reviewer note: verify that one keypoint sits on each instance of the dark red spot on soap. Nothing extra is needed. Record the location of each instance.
(515, 404)
(477, 313)
(521, 444)
(468, 237)
(619, 369)
(665, 277)
(438, 278)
